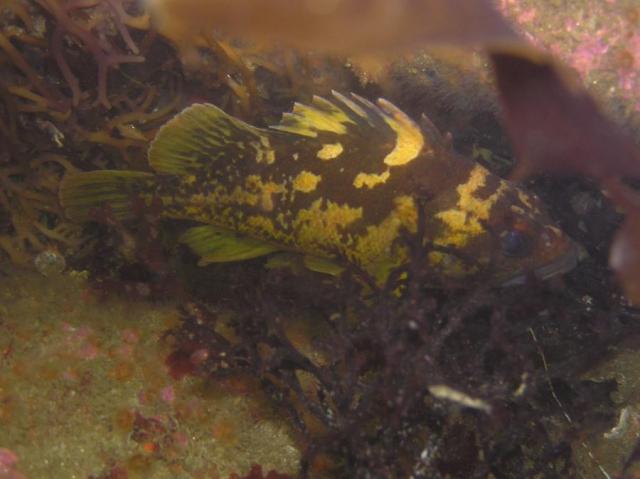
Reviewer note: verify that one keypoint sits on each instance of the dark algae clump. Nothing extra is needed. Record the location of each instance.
(149, 146)
(433, 383)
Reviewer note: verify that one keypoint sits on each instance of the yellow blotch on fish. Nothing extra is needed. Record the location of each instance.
(330, 151)
(259, 191)
(322, 226)
(409, 139)
(379, 239)
(369, 180)
(464, 221)
(306, 182)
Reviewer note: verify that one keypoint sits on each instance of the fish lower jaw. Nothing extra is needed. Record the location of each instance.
(561, 265)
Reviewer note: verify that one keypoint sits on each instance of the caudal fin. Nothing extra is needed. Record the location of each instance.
(81, 193)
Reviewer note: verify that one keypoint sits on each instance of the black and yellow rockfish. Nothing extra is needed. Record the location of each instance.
(338, 182)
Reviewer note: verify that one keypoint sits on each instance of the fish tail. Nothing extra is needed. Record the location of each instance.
(82, 193)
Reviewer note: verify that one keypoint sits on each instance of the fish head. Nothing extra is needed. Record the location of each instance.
(498, 230)
(527, 242)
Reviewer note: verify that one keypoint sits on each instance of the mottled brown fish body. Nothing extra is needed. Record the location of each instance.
(341, 180)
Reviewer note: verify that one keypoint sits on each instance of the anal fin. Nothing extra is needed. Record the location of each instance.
(298, 263)
(215, 245)
(322, 265)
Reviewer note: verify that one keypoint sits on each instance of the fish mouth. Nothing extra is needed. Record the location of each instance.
(560, 265)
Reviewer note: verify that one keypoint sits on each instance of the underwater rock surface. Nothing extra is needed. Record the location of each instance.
(84, 393)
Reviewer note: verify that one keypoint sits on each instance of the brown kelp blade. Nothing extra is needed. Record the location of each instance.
(554, 125)
(338, 26)
(625, 256)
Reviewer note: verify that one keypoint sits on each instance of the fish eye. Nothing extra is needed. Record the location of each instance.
(516, 243)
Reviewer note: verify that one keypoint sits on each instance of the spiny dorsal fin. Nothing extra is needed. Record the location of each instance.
(215, 245)
(321, 116)
(203, 133)
(200, 134)
(359, 120)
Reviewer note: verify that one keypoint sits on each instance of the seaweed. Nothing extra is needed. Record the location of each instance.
(422, 384)
(330, 27)
(57, 116)
(30, 211)
(132, 260)
(104, 52)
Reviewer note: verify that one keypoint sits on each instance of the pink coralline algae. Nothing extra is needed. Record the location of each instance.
(168, 394)
(130, 336)
(629, 63)
(8, 461)
(80, 340)
(527, 15)
(588, 55)
(599, 40)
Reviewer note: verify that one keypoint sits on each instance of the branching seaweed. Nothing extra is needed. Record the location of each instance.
(28, 202)
(422, 384)
(134, 128)
(52, 106)
(103, 51)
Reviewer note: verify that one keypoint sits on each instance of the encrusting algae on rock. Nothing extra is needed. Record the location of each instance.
(341, 182)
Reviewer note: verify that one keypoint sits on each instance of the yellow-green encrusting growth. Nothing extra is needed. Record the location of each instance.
(335, 181)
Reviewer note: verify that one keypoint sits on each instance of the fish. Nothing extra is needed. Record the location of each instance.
(339, 182)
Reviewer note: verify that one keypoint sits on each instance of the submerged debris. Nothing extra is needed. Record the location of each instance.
(49, 263)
